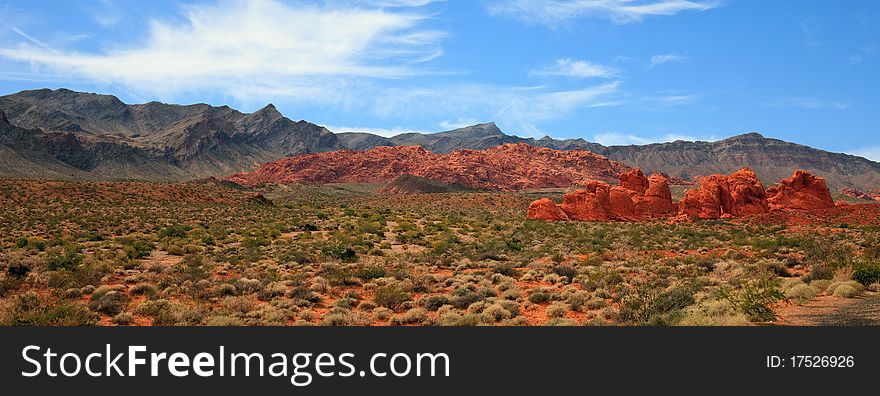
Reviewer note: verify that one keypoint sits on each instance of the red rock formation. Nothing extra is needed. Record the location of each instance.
(637, 198)
(747, 194)
(634, 181)
(710, 201)
(508, 167)
(872, 195)
(657, 199)
(719, 196)
(802, 190)
(545, 209)
(622, 206)
(593, 203)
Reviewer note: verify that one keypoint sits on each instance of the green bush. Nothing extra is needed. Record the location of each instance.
(175, 231)
(755, 297)
(867, 274)
(67, 257)
(392, 296)
(30, 310)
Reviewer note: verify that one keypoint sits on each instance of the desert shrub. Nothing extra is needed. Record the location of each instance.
(846, 291)
(109, 302)
(755, 297)
(596, 303)
(175, 231)
(29, 309)
(67, 257)
(340, 317)
(340, 252)
(494, 313)
(180, 315)
(538, 297)
(193, 268)
(714, 313)
(566, 271)
(145, 289)
(867, 274)
(123, 319)
(802, 292)
(227, 289)
(392, 295)
(136, 248)
(412, 316)
(240, 305)
(850, 289)
(565, 322)
(370, 273)
(556, 310)
(433, 302)
(646, 304)
(152, 308)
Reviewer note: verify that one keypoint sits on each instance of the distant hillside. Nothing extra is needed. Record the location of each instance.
(67, 134)
(72, 135)
(508, 167)
(771, 159)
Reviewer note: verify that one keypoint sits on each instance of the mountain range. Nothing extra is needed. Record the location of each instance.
(64, 134)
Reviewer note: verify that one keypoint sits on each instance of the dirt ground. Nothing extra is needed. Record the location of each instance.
(863, 310)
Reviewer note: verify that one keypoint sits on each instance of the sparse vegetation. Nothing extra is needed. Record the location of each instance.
(132, 253)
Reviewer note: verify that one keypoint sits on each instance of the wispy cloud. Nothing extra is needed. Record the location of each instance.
(667, 58)
(575, 68)
(872, 153)
(517, 109)
(862, 53)
(808, 103)
(386, 132)
(553, 12)
(240, 48)
(624, 139)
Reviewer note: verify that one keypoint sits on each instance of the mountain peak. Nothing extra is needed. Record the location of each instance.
(751, 135)
(269, 110)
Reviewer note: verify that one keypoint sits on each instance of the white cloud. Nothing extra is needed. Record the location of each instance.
(575, 68)
(808, 103)
(447, 125)
(623, 139)
(862, 53)
(386, 132)
(871, 153)
(667, 58)
(244, 48)
(518, 110)
(552, 12)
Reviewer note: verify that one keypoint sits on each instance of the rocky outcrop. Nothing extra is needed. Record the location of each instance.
(747, 194)
(636, 198)
(510, 167)
(872, 195)
(546, 209)
(718, 196)
(657, 199)
(802, 190)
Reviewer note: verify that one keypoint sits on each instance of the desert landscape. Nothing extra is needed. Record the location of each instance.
(513, 233)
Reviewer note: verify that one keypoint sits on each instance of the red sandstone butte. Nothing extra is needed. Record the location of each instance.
(803, 190)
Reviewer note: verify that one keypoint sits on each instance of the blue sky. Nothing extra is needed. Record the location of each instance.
(612, 71)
